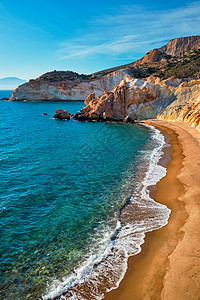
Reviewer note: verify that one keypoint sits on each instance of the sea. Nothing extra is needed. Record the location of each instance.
(74, 200)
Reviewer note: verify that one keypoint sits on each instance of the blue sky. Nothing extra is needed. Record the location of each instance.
(86, 36)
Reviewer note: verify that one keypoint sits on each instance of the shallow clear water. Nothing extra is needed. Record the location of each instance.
(62, 184)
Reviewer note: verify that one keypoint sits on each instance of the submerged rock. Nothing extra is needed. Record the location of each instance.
(5, 98)
(62, 114)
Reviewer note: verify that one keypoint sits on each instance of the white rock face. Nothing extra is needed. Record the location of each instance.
(132, 98)
(36, 90)
(137, 99)
(186, 107)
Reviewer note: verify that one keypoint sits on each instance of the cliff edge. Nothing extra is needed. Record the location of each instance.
(179, 58)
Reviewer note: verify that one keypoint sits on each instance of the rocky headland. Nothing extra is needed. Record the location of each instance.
(164, 84)
(136, 99)
(66, 86)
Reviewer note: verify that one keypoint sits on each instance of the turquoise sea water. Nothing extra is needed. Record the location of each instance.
(5, 93)
(62, 185)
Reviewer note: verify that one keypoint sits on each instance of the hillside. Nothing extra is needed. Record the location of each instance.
(179, 58)
(177, 46)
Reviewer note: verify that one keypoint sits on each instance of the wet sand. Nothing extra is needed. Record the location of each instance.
(169, 265)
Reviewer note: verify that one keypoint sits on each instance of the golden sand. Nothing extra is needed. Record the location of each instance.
(168, 267)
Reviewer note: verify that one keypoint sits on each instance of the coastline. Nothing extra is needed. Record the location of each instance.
(156, 216)
(168, 265)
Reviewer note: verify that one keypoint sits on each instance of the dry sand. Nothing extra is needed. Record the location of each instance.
(168, 267)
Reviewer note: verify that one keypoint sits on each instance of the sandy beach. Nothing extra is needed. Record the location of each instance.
(169, 265)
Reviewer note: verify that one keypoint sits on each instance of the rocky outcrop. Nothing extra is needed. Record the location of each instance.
(153, 56)
(62, 114)
(186, 107)
(131, 100)
(58, 88)
(136, 99)
(179, 45)
(108, 98)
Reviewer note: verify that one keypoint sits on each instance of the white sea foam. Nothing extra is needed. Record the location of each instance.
(104, 271)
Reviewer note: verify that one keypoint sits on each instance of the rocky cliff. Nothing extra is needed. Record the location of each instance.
(136, 99)
(64, 86)
(165, 62)
(186, 106)
(177, 46)
(141, 90)
(153, 56)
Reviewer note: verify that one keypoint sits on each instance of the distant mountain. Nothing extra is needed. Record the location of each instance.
(10, 83)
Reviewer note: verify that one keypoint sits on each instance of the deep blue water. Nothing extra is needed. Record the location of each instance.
(5, 93)
(62, 184)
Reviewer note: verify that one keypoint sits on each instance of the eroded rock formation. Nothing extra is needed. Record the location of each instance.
(56, 88)
(180, 45)
(186, 107)
(136, 99)
(153, 56)
(132, 99)
(140, 90)
(164, 62)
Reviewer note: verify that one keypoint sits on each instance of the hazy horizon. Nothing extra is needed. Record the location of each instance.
(10, 83)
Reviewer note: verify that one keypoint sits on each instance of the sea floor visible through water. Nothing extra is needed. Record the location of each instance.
(74, 200)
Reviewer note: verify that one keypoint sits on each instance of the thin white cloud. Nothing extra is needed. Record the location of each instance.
(132, 29)
(114, 46)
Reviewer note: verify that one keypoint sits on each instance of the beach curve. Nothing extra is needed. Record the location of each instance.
(168, 266)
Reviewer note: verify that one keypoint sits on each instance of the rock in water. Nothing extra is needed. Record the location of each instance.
(62, 114)
(5, 98)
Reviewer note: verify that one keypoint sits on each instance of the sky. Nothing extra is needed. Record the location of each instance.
(87, 36)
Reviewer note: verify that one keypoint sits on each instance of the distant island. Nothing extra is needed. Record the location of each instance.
(10, 83)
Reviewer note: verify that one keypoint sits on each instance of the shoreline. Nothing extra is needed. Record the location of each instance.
(168, 265)
(138, 236)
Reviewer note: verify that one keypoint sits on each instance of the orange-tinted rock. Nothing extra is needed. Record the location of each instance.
(90, 98)
(152, 56)
(138, 99)
(179, 45)
(114, 105)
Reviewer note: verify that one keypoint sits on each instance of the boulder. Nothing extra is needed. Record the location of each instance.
(128, 119)
(62, 114)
